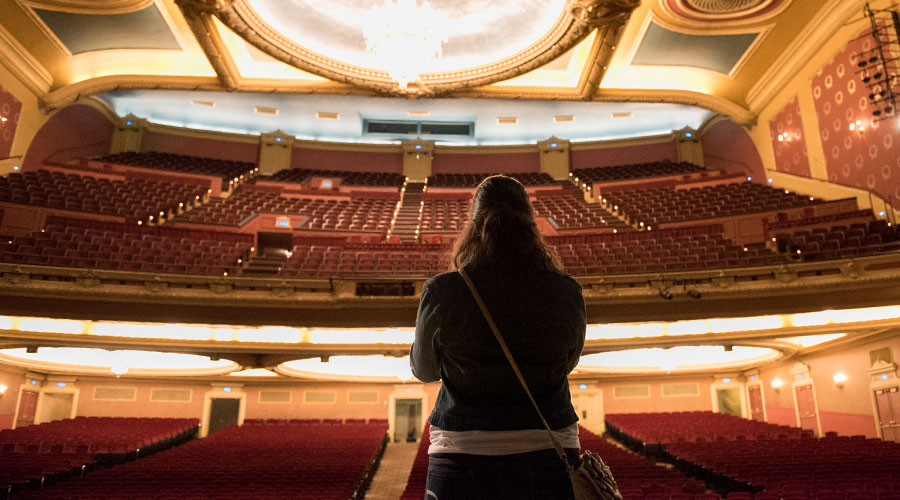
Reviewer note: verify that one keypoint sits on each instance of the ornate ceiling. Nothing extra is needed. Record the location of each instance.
(727, 56)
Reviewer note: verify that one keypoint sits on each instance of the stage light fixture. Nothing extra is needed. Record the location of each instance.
(694, 294)
(666, 294)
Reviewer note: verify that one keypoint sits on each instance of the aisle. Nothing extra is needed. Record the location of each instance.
(390, 480)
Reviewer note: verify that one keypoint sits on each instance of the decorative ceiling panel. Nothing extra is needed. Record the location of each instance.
(142, 29)
(664, 47)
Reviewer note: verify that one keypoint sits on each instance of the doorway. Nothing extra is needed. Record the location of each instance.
(223, 412)
(806, 408)
(27, 408)
(274, 244)
(56, 406)
(589, 407)
(729, 401)
(757, 411)
(407, 420)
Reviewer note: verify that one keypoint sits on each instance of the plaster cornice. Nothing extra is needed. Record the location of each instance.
(66, 95)
(23, 65)
(89, 6)
(805, 45)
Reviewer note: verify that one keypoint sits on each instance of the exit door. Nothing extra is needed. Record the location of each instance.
(888, 402)
(756, 404)
(407, 420)
(729, 401)
(27, 408)
(56, 406)
(589, 408)
(806, 408)
(223, 412)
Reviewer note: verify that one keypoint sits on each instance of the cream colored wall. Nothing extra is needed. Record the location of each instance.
(30, 119)
(12, 378)
(847, 410)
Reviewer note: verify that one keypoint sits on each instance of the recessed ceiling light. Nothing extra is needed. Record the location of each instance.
(563, 118)
(418, 113)
(208, 104)
(508, 120)
(325, 115)
(621, 115)
(263, 110)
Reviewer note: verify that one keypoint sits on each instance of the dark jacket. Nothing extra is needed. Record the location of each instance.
(542, 318)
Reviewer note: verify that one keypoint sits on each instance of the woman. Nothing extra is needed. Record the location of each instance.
(487, 440)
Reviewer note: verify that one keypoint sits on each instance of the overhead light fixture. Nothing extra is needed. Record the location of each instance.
(404, 38)
(563, 118)
(419, 113)
(507, 120)
(622, 115)
(208, 104)
(265, 110)
(325, 115)
(665, 293)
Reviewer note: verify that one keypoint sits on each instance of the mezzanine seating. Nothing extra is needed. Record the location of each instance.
(110, 245)
(273, 461)
(689, 426)
(45, 453)
(838, 241)
(134, 199)
(656, 206)
(314, 260)
(359, 213)
(600, 175)
(472, 180)
(348, 178)
(226, 169)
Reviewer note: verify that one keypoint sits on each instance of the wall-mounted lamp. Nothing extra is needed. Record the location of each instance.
(784, 137)
(859, 127)
(3, 389)
(777, 384)
(839, 379)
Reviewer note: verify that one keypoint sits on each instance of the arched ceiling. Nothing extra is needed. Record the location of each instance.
(722, 56)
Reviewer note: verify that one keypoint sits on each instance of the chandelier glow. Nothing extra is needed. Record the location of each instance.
(404, 38)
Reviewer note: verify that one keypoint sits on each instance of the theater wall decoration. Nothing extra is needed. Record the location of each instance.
(9, 120)
(788, 140)
(867, 157)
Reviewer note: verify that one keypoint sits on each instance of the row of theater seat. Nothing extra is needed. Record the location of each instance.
(109, 245)
(356, 214)
(665, 205)
(638, 478)
(777, 462)
(135, 199)
(600, 175)
(348, 178)
(320, 461)
(356, 260)
(568, 210)
(43, 454)
(839, 241)
(472, 180)
(226, 169)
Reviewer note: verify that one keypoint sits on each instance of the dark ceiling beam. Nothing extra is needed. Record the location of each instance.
(201, 23)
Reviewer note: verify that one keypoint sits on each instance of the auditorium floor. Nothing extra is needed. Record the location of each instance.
(390, 479)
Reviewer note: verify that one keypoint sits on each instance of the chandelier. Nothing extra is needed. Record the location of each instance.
(404, 38)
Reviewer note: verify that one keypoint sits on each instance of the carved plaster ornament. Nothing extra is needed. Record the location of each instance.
(18, 277)
(723, 281)
(853, 270)
(785, 275)
(578, 20)
(156, 285)
(283, 289)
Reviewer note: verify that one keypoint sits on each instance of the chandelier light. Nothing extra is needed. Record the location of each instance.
(404, 38)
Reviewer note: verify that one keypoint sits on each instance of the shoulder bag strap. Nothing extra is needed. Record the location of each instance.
(490, 320)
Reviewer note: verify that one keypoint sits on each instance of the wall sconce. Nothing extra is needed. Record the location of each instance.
(839, 379)
(3, 389)
(784, 137)
(859, 127)
(777, 383)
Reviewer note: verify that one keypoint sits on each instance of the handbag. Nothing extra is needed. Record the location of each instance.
(592, 479)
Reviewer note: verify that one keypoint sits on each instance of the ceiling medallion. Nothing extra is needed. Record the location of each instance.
(723, 6)
(725, 10)
(405, 38)
(404, 46)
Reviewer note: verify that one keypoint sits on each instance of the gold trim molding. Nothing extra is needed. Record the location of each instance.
(577, 21)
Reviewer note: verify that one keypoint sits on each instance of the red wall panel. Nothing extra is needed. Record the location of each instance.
(788, 140)
(625, 155)
(76, 131)
(9, 109)
(868, 160)
(727, 146)
(490, 163)
(196, 146)
(354, 161)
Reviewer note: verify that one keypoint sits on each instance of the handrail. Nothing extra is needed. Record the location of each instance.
(888, 208)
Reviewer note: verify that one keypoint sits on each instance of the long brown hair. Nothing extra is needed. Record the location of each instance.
(501, 231)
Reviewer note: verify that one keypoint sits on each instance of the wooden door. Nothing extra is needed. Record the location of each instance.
(888, 403)
(27, 409)
(806, 408)
(756, 404)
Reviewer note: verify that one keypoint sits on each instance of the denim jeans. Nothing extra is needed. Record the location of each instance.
(538, 475)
